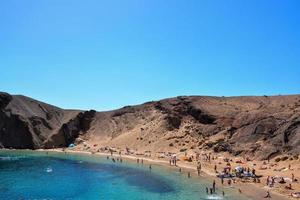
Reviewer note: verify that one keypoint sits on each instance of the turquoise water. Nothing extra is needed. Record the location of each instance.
(37, 175)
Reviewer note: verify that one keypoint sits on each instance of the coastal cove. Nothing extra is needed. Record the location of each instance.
(93, 177)
(150, 100)
(99, 177)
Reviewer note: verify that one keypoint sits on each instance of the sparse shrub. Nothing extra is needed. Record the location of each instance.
(284, 158)
(278, 159)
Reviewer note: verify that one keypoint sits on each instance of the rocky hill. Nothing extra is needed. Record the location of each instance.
(262, 127)
(26, 123)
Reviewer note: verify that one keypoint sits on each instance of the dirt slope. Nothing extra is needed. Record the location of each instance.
(261, 127)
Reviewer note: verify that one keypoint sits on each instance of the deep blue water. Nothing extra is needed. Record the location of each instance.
(28, 175)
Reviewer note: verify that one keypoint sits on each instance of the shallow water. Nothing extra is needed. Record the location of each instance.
(37, 175)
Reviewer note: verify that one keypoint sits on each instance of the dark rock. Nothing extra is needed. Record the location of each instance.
(173, 121)
(71, 130)
(200, 116)
(4, 99)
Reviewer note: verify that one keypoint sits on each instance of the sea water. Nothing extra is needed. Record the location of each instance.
(40, 176)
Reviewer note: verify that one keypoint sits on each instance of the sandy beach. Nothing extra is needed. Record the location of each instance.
(248, 187)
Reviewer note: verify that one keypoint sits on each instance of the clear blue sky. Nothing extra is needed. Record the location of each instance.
(107, 54)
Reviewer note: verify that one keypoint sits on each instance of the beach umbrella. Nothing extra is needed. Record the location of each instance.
(239, 169)
(71, 145)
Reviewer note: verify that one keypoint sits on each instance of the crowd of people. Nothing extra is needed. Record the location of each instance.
(228, 171)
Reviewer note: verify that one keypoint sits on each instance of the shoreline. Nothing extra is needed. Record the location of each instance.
(246, 188)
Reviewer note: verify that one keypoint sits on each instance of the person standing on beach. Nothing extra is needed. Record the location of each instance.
(214, 186)
(229, 182)
(293, 178)
(199, 168)
(175, 160)
(268, 195)
(253, 172)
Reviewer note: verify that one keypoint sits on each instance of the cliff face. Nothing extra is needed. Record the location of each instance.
(27, 123)
(261, 127)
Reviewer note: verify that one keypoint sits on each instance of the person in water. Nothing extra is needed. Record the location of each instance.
(150, 167)
(189, 174)
(206, 190)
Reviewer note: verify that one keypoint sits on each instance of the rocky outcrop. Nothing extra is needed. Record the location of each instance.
(26, 123)
(14, 130)
(69, 131)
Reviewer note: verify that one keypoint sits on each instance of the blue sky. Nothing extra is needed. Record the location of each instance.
(108, 54)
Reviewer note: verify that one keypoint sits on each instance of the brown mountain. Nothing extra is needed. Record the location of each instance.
(261, 127)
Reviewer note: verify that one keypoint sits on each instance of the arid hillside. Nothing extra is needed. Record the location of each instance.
(261, 127)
